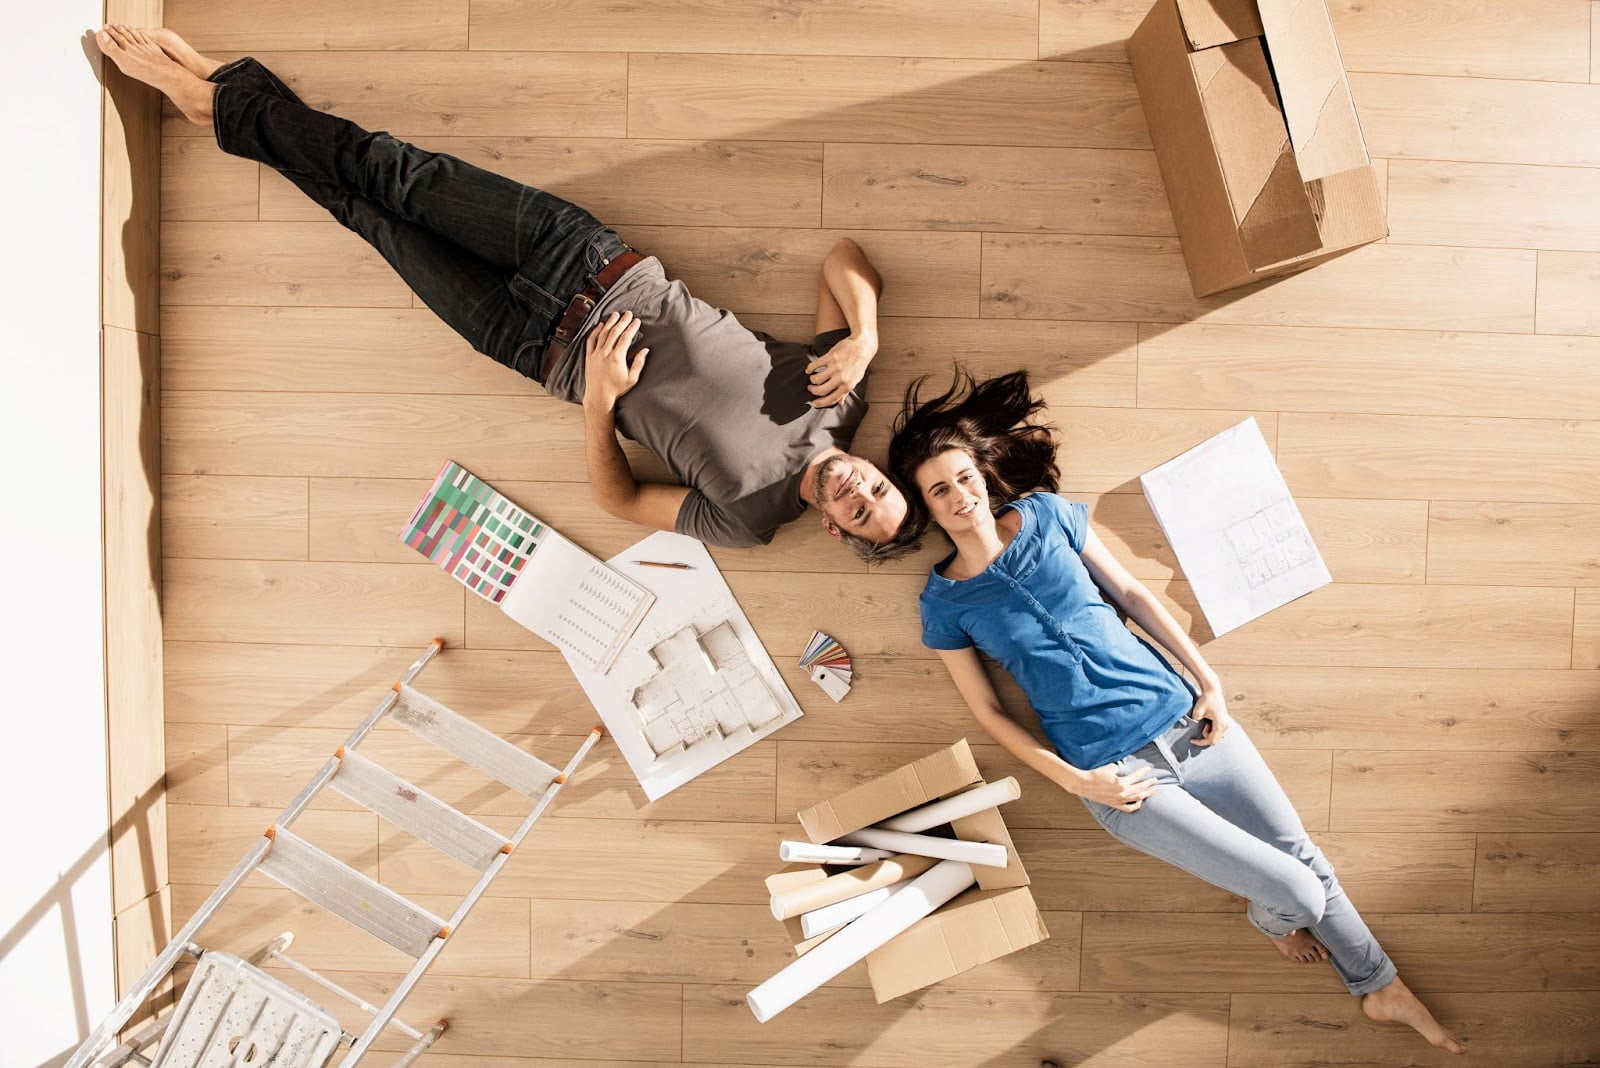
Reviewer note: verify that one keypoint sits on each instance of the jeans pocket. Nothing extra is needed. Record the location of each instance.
(601, 248)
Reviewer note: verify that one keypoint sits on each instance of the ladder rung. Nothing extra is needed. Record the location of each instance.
(488, 752)
(414, 809)
(343, 891)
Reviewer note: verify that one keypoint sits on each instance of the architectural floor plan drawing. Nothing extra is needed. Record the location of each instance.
(1228, 515)
(693, 686)
(707, 688)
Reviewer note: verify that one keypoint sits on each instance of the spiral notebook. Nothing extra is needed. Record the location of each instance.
(540, 579)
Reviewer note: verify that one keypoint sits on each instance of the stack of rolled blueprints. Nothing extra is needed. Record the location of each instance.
(892, 876)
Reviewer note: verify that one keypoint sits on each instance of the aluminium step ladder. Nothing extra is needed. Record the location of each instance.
(233, 1013)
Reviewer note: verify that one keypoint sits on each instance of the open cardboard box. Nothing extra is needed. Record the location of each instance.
(995, 918)
(1256, 135)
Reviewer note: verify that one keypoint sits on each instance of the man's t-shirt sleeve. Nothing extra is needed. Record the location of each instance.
(700, 517)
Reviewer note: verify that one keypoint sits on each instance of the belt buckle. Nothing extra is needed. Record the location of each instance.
(563, 330)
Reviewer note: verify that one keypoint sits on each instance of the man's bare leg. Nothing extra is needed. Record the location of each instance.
(138, 55)
(1395, 1003)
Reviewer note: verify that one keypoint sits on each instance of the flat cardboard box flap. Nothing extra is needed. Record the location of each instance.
(989, 826)
(1315, 93)
(978, 926)
(1208, 23)
(906, 787)
(1265, 188)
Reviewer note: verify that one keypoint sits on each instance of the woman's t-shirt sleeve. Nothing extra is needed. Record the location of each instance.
(1070, 517)
(940, 630)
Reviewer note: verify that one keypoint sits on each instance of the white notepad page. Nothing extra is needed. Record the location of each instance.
(572, 599)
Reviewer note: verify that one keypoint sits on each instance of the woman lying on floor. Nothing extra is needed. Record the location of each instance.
(1159, 764)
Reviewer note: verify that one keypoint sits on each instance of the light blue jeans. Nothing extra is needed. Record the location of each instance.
(1220, 815)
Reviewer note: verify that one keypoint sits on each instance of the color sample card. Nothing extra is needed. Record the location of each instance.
(474, 534)
(828, 665)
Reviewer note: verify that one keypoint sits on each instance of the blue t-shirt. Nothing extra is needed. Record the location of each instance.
(1100, 691)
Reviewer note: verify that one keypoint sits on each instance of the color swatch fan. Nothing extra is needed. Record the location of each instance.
(826, 661)
(537, 577)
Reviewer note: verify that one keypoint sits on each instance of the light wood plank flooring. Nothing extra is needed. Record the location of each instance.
(1434, 401)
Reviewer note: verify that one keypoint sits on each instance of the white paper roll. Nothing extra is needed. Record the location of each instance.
(953, 808)
(808, 853)
(846, 884)
(989, 854)
(924, 894)
(828, 917)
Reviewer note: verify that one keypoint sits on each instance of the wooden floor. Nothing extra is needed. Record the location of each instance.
(1434, 402)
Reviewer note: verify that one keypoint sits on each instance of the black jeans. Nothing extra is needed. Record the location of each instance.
(497, 260)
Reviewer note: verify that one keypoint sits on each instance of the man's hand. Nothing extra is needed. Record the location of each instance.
(607, 371)
(839, 370)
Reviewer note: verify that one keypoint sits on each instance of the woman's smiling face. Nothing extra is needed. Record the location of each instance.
(954, 491)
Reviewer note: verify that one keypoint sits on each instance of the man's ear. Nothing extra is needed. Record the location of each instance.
(827, 524)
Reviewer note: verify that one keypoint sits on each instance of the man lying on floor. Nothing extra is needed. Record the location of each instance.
(754, 429)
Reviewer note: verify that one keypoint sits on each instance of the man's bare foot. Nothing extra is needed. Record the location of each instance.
(183, 53)
(138, 55)
(1300, 947)
(1396, 1003)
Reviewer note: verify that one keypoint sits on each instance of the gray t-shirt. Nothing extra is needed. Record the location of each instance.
(724, 407)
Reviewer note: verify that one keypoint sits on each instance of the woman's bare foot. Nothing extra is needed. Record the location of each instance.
(138, 55)
(1396, 1003)
(183, 53)
(1300, 947)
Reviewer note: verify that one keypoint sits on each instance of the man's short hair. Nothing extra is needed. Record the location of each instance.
(906, 540)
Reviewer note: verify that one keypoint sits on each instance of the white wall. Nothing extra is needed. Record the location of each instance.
(55, 891)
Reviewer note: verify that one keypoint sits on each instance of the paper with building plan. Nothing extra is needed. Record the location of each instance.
(1238, 536)
(693, 685)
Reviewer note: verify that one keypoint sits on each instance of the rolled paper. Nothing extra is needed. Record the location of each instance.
(950, 809)
(808, 853)
(921, 896)
(842, 912)
(847, 884)
(988, 854)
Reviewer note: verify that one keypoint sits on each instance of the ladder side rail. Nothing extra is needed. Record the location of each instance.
(165, 960)
(403, 989)
(328, 770)
(385, 1016)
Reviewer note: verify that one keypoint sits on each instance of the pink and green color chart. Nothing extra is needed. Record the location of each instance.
(474, 534)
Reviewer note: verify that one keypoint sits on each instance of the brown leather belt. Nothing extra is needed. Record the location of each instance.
(581, 305)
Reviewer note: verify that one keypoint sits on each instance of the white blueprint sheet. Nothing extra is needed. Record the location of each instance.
(1238, 536)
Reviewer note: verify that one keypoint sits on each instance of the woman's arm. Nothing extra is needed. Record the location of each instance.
(1134, 598)
(1101, 784)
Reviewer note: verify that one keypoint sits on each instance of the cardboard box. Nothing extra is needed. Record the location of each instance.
(996, 918)
(1256, 135)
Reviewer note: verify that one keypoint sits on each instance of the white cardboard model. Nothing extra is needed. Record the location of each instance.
(693, 685)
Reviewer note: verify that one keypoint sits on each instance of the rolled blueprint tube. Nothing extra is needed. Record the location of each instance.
(847, 884)
(807, 853)
(953, 808)
(924, 894)
(989, 854)
(841, 912)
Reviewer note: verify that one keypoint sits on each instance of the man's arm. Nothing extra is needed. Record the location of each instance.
(846, 297)
(608, 375)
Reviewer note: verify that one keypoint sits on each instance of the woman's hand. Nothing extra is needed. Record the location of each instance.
(1114, 790)
(607, 372)
(839, 370)
(1211, 712)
